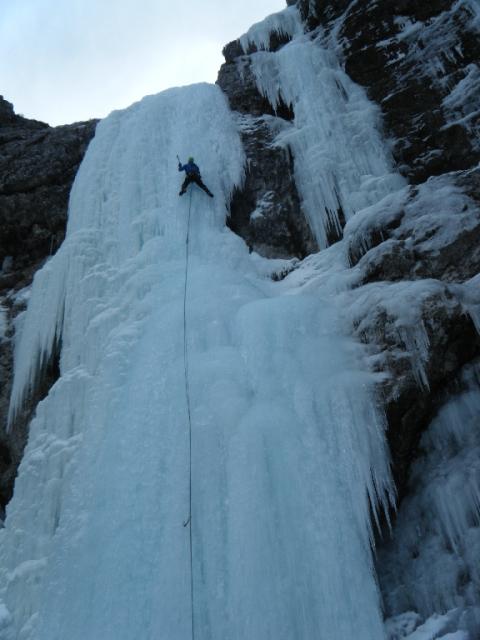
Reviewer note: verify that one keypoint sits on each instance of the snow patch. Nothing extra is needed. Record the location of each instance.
(463, 103)
(430, 217)
(403, 303)
(264, 204)
(402, 626)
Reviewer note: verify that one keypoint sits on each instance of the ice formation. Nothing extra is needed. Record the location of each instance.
(440, 523)
(438, 627)
(3, 322)
(342, 164)
(288, 450)
(432, 216)
(283, 23)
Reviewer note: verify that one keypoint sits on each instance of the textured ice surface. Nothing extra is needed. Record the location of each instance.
(403, 303)
(462, 103)
(469, 294)
(3, 322)
(434, 216)
(284, 23)
(431, 45)
(408, 626)
(288, 450)
(341, 162)
(432, 564)
(402, 625)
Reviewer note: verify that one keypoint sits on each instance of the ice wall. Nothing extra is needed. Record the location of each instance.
(287, 447)
(342, 163)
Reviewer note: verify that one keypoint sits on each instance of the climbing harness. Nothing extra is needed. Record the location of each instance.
(188, 521)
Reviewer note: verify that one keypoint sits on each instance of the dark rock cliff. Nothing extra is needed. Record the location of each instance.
(38, 164)
(419, 63)
(410, 56)
(266, 212)
(421, 241)
(410, 60)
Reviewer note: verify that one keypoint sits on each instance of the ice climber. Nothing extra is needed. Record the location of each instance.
(193, 175)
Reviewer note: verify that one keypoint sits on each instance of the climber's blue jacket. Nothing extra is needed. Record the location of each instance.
(190, 168)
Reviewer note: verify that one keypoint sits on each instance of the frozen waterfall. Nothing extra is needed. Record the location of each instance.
(287, 447)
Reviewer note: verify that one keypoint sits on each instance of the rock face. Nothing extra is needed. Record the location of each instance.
(425, 240)
(420, 363)
(266, 212)
(419, 62)
(431, 563)
(414, 257)
(433, 231)
(37, 166)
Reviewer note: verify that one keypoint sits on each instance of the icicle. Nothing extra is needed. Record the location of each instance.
(284, 23)
(341, 162)
(435, 554)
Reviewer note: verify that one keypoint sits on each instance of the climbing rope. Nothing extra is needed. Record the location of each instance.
(188, 521)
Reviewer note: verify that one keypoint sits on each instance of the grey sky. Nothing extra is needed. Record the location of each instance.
(68, 60)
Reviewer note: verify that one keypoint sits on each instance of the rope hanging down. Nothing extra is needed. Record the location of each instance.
(188, 521)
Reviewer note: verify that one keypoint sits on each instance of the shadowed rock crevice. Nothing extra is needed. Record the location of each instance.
(266, 211)
(453, 343)
(237, 81)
